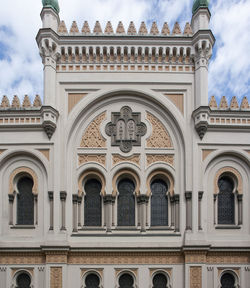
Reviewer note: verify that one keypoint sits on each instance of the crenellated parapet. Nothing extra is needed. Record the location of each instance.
(222, 116)
(27, 115)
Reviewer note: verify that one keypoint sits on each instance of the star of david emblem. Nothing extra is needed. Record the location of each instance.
(126, 129)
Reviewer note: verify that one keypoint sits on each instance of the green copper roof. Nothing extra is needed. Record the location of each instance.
(52, 4)
(200, 4)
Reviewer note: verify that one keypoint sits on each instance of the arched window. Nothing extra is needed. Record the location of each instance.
(126, 281)
(126, 203)
(226, 201)
(92, 281)
(227, 281)
(25, 201)
(159, 203)
(23, 280)
(160, 281)
(92, 203)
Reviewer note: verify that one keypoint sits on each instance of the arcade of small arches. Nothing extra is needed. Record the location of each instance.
(126, 208)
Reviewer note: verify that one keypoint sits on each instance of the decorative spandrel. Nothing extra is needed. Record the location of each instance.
(126, 129)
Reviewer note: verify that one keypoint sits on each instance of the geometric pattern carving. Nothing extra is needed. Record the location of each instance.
(160, 137)
(196, 277)
(92, 136)
(55, 277)
(99, 158)
(152, 158)
(23, 170)
(126, 129)
(133, 158)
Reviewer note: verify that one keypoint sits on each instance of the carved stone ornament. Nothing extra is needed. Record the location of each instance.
(126, 129)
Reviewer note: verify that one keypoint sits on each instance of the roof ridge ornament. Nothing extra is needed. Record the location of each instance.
(154, 29)
(85, 28)
(165, 29)
(143, 29)
(120, 28)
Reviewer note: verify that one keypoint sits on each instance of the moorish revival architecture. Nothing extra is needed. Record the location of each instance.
(125, 176)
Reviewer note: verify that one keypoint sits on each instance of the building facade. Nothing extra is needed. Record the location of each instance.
(125, 176)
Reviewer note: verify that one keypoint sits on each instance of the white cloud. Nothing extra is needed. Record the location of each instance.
(21, 71)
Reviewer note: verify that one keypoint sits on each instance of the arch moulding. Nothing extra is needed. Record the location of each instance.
(91, 174)
(164, 175)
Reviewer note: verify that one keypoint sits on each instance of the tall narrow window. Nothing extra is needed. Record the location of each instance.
(225, 201)
(126, 281)
(25, 202)
(160, 281)
(23, 281)
(126, 203)
(159, 203)
(92, 281)
(227, 281)
(93, 203)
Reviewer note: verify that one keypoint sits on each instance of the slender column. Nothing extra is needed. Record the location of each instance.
(51, 206)
(36, 209)
(108, 199)
(79, 211)
(113, 210)
(11, 200)
(75, 201)
(188, 196)
(142, 201)
(240, 209)
(177, 213)
(172, 206)
(199, 210)
(63, 195)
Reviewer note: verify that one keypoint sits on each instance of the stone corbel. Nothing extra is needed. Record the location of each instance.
(201, 116)
(50, 116)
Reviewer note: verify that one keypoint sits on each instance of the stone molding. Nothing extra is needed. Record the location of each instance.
(56, 277)
(164, 175)
(86, 158)
(91, 174)
(153, 158)
(117, 158)
(122, 174)
(195, 276)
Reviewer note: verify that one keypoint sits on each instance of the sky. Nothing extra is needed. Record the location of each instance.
(21, 70)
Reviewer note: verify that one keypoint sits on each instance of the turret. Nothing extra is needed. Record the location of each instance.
(50, 14)
(201, 15)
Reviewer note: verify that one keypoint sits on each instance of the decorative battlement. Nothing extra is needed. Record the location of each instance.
(120, 30)
(16, 103)
(234, 105)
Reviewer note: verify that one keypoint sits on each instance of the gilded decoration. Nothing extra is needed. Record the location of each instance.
(152, 158)
(228, 170)
(95, 270)
(228, 258)
(92, 136)
(195, 257)
(134, 271)
(15, 270)
(74, 98)
(85, 158)
(117, 158)
(56, 257)
(55, 277)
(91, 174)
(177, 100)
(167, 271)
(117, 258)
(206, 152)
(45, 152)
(159, 137)
(164, 175)
(23, 170)
(22, 258)
(195, 277)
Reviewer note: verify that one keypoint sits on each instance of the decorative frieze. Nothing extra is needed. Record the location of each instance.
(117, 158)
(22, 258)
(160, 137)
(152, 158)
(92, 136)
(55, 277)
(195, 277)
(98, 158)
(234, 104)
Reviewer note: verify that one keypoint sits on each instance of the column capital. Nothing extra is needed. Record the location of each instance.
(188, 195)
(177, 198)
(51, 195)
(239, 197)
(142, 199)
(11, 197)
(75, 198)
(200, 194)
(108, 199)
(63, 195)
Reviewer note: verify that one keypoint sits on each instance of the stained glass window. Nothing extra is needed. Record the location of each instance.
(227, 281)
(126, 281)
(225, 201)
(159, 203)
(160, 281)
(23, 281)
(25, 202)
(92, 281)
(92, 203)
(126, 203)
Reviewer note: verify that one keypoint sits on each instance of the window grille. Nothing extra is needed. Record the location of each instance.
(92, 281)
(160, 281)
(126, 203)
(225, 201)
(126, 281)
(227, 281)
(159, 203)
(23, 281)
(25, 202)
(92, 203)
